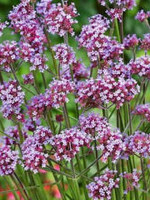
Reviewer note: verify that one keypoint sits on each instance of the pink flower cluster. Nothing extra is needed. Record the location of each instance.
(98, 45)
(139, 143)
(36, 107)
(58, 18)
(142, 16)
(143, 110)
(106, 89)
(111, 145)
(95, 125)
(12, 98)
(8, 160)
(103, 185)
(67, 144)
(3, 25)
(28, 79)
(64, 54)
(132, 180)
(115, 13)
(145, 43)
(33, 156)
(130, 41)
(119, 70)
(12, 133)
(9, 54)
(56, 94)
(42, 134)
(126, 4)
(24, 20)
(140, 66)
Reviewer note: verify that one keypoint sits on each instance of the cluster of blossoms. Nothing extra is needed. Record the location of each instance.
(138, 143)
(76, 72)
(98, 45)
(66, 57)
(9, 54)
(118, 70)
(115, 13)
(23, 20)
(132, 180)
(30, 125)
(64, 54)
(143, 110)
(142, 16)
(28, 79)
(130, 41)
(12, 133)
(12, 98)
(140, 66)
(42, 135)
(125, 4)
(33, 155)
(56, 94)
(106, 89)
(67, 144)
(103, 185)
(145, 43)
(112, 145)
(94, 125)
(36, 107)
(2, 26)
(58, 19)
(8, 160)
(109, 142)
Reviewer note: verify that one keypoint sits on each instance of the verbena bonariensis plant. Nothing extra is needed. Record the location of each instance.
(93, 122)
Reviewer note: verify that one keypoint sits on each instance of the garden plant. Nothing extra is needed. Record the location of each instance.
(70, 129)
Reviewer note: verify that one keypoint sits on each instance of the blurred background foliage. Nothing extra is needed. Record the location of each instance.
(86, 8)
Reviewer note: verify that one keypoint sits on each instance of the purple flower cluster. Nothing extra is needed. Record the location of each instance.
(111, 145)
(143, 111)
(132, 180)
(98, 45)
(138, 143)
(9, 54)
(106, 89)
(64, 54)
(36, 107)
(145, 43)
(56, 94)
(142, 16)
(28, 79)
(12, 98)
(8, 160)
(130, 41)
(33, 156)
(140, 66)
(12, 133)
(67, 144)
(103, 185)
(42, 135)
(24, 20)
(94, 125)
(115, 13)
(58, 19)
(3, 25)
(126, 4)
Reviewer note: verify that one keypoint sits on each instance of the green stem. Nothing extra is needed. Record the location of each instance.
(66, 117)
(117, 30)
